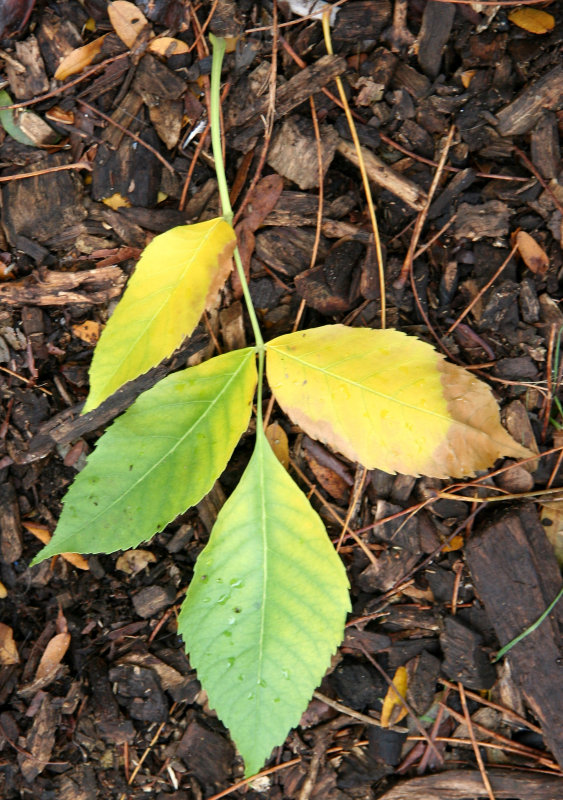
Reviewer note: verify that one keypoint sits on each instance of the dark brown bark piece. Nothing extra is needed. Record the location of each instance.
(207, 754)
(288, 250)
(43, 207)
(152, 600)
(458, 184)
(26, 73)
(293, 152)
(81, 784)
(57, 38)
(50, 288)
(465, 659)
(480, 221)
(40, 740)
(520, 115)
(297, 89)
(408, 78)
(331, 288)
(391, 566)
(68, 426)
(460, 784)
(131, 171)
(546, 153)
(422, 685)
(10, 527)
(437, 21)
(517, 576)
(379, 172)
(155, 82)
(138, 688)
(364, 19)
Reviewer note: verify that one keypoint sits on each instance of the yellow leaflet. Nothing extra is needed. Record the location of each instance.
(387, 400)
(177, 277)
(393, 709)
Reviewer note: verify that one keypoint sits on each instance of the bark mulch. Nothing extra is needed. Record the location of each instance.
(439, 584)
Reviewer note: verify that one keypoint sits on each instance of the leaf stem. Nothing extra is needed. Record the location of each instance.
(215, 113)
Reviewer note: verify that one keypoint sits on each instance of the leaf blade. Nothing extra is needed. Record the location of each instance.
(177, 276)
(251, 616)
(387, 400)
(187, 425)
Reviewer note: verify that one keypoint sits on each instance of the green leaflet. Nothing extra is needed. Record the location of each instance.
(161, 457)
(265, 609)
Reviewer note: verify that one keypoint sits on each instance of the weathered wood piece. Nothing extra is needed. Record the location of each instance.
(437, 21)
(307, 82)
(288, 250)
(131, 171)
(458, 184)
(293, 152)
(25, 209)
(69, 425)
(364, 19)
(10, 527)
(465, 658)
(489, 220)
(57, 38)
(459, 784)
(26, 72)
(378, 172)
(51, 288)
(521, 114)
(516, 576)
(545, 149)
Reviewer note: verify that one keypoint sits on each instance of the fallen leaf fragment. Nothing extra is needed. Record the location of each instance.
(134, 561)
(393, 709)
(42, 533)
(3, 591)
(533, 255)
(532, 20)
(116, 201)
(277, 438)
(127, 21)
(52, 656)
(79, 59)
(8, 650)
(552, 521)
(89, 331)
(166, 46)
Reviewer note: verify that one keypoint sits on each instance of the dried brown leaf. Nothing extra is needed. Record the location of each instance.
(52, 656)
(533, 255)
(8, 650)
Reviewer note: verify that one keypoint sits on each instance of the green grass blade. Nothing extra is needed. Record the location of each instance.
(265, 609)
(161, 457)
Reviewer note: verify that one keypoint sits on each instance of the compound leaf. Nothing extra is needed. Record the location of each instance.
(388, 400)
(265, 609)
(178, 275)
(162, 456)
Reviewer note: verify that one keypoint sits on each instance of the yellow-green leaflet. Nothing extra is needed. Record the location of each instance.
(177, 277)
(388, 400)
(265, 609)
